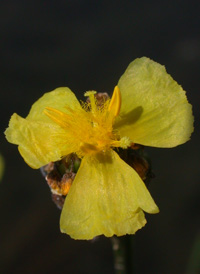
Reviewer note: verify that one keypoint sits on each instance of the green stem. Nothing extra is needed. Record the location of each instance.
(123, 254)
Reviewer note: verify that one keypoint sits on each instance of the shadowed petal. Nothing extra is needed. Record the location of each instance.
(163, 116)
(106, 197)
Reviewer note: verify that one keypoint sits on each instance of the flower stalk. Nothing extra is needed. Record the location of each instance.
(123, 253)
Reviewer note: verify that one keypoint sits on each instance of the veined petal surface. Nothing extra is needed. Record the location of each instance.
(40, 139)
(154, 111)
(39, 142)
(106, 197)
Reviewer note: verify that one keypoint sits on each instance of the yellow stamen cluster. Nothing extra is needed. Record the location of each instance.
(91, 131)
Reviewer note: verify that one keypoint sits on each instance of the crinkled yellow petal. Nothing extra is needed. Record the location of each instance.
(39, 142)
(154, 110)
(106, 197)
(40, 139)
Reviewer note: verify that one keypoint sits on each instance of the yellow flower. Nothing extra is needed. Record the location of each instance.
(107, 196)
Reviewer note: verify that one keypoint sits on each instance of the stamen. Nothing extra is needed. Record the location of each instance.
(91, 94)
(55, 111)
(125, 142)
(115, 102)
(57, 116)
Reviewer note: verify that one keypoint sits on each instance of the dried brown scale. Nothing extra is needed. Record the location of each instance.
(58, 200)
(59, 183)
(66, 182)
(101, 98)
(48, 168)
(140, 165)
(137, 160)
(59, 176)
(53, 178)
(136, 146)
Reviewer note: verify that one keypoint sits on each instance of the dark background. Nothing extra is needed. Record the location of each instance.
(87, 45)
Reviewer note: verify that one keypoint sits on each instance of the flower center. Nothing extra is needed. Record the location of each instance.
(90, 129)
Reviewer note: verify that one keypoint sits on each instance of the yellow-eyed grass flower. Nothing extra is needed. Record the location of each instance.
(107, 196)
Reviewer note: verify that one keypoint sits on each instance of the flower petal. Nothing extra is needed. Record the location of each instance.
(40, 139)
(39, 142)
(57, 99)
(155, 110)
(106, 197)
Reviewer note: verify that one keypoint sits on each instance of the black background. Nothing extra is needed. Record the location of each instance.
(87, 45)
